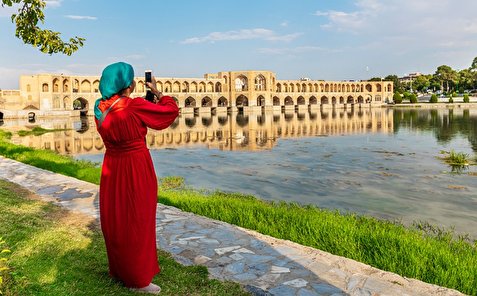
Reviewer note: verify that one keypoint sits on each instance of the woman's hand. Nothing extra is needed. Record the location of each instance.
(152, 86)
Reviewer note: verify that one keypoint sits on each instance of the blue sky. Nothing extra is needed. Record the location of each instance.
(333, 40)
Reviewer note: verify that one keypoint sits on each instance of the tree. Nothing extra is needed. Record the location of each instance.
(26, 21)
(446, 76)
(421, 83)
(433, 99)
(397, 98)
(466, 98)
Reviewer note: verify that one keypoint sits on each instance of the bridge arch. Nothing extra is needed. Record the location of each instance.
(241, 101)
(206, 102)
(81, 104)
(189, 102)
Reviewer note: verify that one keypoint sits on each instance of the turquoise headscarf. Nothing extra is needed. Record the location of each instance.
(114, 78)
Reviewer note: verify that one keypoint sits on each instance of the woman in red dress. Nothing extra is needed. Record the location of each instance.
(128, 188)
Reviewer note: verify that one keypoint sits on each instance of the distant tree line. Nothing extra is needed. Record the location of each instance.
(445, 79)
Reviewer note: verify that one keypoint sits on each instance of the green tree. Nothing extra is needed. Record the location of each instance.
(433, 99)
(446, 76)
(473, 66)
(451, 100)
(30, 12)
(397, 98)
(466, 98)
(422, 83)
(413, 98)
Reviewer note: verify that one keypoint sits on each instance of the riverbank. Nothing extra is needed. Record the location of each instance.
(384, 242)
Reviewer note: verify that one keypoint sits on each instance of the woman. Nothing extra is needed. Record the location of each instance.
(128, 188)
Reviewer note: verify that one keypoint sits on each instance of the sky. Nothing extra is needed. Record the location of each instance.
(317, 39)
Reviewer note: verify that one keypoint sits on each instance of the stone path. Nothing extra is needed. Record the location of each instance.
(264, 265)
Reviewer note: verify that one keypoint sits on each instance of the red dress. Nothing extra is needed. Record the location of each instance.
(128, 188)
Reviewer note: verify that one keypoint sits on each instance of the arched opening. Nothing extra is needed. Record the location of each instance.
(341, 100)
(31, 117)
(189, 102)
(241, 83)
(176, 87)
(140, 87)
(378, 87)
(28, 88)
(66, 103)
(276, 101)
(44, 87)
(81, 104)
(206, 102)
(193, 87)
(260, 83)
(324, 100)
(390, 88)
(218, 87)
(289, 101)
(260, 101)
(223, 102)
(210, 87)
(96, 86)
(350, 100)
(65, 85)
(360, 100)
(327, 88)
(300, 100)
(1, 116)
(56, 85)
(333, 101)
(185, 86)
(369, 88)
(279, 87)
(313, 100)
(241, 101)
(85, 86)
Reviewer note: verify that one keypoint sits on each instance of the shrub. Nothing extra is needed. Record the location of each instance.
(413, 98)
(433, 99)
(466, 98)
(451, 100)
(397, 98)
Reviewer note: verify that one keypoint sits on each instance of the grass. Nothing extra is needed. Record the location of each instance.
(422, 252)
(37, 131)
(57, 252)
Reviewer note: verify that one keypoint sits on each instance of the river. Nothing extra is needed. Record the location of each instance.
(381, 162)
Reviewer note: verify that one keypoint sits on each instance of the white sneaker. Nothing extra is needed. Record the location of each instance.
(151, 289)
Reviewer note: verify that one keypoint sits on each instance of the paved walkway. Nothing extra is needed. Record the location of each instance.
(264, 265)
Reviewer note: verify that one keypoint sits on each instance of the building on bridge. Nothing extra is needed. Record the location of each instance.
(56, 95)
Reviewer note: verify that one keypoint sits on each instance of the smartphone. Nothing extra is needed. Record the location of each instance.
(149, 95)
(148, 74)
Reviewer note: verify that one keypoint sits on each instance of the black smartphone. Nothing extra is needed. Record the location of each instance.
(149, 94)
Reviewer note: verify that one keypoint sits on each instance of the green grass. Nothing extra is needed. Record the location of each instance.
(56, 252)
(423, 252)
(37, 131)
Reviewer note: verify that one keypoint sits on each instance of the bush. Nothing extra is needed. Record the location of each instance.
(397, 98)
(433, 99)
(413, 98)
(451, 100)
(466, 98)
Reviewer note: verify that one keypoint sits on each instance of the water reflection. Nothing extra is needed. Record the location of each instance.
(236, 131)
(257, 131)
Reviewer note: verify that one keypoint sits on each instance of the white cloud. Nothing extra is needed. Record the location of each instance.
(244, 34)
(284, 24)
(81, 17)
(53, 3)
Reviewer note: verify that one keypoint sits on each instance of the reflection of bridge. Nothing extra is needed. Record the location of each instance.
(237, 131)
